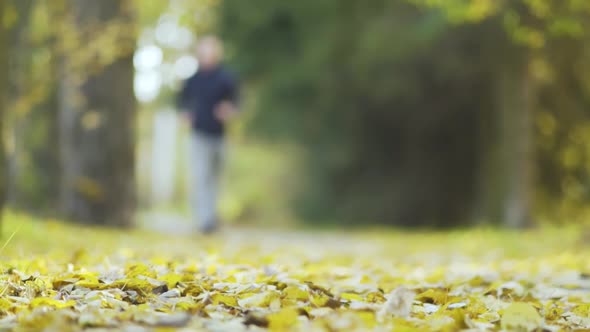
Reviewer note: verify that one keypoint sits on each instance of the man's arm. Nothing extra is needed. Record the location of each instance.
(184, 101)
(228, 108)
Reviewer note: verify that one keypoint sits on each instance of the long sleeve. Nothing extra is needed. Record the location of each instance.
(232, 91)
(184, 100)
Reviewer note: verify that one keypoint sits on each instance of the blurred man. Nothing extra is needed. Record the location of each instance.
(209, 101)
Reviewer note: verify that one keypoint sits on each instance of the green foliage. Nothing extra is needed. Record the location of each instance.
(47, 41)
(357, 86)
(396, 102)
(4, 64)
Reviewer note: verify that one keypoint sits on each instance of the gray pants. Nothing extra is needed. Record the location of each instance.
(207, 156)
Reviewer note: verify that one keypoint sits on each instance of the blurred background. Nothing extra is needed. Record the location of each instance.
(413, 113)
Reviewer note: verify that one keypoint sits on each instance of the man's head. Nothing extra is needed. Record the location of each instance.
(209, 52)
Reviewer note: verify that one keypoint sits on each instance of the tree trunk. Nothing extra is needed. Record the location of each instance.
(36, 182)
(487, 205)
(97, 125)
(3, 86)
(34, 165)
(506, 182)
(517, 102)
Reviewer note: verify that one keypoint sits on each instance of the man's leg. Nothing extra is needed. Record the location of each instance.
(201, 169)
(206, 162)
(215, 179)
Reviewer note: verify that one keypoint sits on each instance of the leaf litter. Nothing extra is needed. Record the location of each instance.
(56, 277)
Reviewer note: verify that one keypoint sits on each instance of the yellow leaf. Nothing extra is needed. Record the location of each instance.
(91, 120)
(47, 302)
(228, 300)
(323, 300)
(285, 319)
(136, 270)
(192, 307)
(368, 318)
(90, 284)
(261, 300)
(376, 297)
(211, 269)
(141, 286)
(295, 293)
(5, 304)
(436, 296)
(90, 188)
(402, 325)
(582, 310)
(520, 315)
(192, 290)
(171, 279)
(351, 297)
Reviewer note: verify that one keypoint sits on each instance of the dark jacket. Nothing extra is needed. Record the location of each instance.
(202, 93)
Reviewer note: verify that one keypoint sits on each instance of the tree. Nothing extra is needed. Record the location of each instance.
(4, 50)
(516, 104)
(382, 117)
(534, 30)
(413, 111)
(34, 161)
(97, 117)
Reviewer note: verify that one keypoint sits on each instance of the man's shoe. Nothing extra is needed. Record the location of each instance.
(209, 229)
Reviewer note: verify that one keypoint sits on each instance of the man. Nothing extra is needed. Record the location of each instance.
(208, 100)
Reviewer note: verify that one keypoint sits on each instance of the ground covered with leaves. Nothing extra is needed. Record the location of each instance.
(64, 278)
